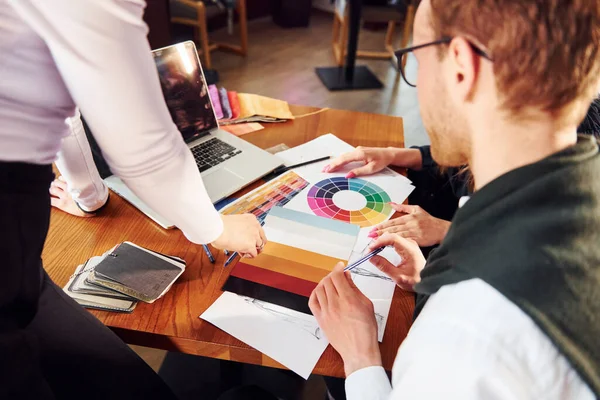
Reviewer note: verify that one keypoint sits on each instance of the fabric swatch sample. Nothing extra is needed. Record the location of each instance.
(234, 103)
(225, 106)
(216, 101)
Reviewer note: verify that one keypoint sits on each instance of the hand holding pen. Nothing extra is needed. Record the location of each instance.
(408, 272)
(364, 258)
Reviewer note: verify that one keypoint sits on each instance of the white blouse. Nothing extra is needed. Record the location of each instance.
(94, 53)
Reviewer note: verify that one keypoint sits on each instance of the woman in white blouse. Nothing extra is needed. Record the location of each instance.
(95, 54)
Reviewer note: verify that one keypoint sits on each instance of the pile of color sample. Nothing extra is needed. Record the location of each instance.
(236, 108)
(277, 192)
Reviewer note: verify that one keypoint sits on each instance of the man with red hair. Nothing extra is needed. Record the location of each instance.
(509, 304)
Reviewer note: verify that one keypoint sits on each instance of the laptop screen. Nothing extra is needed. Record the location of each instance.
(185, 89)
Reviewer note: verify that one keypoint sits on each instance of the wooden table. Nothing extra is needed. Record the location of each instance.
(172, 322)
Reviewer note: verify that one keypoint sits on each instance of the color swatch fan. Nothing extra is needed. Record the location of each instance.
(302, 250)
(350, 200)
(277, 192)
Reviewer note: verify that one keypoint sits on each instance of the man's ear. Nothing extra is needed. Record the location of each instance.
(463, 65)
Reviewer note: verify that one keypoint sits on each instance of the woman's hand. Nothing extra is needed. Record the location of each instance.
(241, 233)
(62, 199)
(375, 159)
(416, 224)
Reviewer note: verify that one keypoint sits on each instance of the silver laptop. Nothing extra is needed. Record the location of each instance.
(226, 162)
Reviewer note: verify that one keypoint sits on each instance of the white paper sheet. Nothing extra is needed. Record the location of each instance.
(377, 286)
(292, 338)
(326, 145)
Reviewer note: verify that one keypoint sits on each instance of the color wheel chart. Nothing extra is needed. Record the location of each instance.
(350, 200)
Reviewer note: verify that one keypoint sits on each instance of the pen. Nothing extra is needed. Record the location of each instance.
(231, 258)
(302, 164)
(209, 254)
(363, 259)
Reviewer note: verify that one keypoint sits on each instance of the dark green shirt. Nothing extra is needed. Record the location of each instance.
(534, 235)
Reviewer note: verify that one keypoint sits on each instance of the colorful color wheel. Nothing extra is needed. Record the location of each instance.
(351, 200)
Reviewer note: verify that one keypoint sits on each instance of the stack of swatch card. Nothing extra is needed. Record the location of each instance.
(237, 108)
(122, 276)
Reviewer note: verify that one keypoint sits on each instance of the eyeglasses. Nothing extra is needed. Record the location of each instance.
(402, 54)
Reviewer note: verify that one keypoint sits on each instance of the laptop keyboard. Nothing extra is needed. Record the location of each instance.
(213, 152)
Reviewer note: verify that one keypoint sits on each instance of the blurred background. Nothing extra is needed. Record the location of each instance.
(272, 47)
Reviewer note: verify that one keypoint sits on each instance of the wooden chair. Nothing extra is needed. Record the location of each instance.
(372, 14)
(195, 13)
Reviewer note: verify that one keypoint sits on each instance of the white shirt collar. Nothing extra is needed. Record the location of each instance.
(463, 200)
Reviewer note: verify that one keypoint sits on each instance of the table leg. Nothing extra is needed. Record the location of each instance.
(355, 12)
(350, 77)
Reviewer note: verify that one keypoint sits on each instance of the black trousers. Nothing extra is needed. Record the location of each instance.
(50, 347)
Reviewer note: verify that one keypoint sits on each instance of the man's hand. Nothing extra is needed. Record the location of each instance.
(241, 233)
(375, 160)
(348, 320)
(62, 199)
(416, 224)
(408, 273)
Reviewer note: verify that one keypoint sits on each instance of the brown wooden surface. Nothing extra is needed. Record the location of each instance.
(172, 323)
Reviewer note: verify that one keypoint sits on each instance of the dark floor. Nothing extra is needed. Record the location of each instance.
(195, 378)
(281, 64)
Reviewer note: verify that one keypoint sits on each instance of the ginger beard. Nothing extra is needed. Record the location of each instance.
(446, 126)
(444, 121)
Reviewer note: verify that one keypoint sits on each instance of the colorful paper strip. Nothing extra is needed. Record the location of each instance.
(274, 279)
(266, 293)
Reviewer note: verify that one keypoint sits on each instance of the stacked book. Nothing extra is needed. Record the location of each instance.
(122, 276)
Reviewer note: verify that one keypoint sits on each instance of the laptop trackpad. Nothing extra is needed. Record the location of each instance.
(221, 183)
